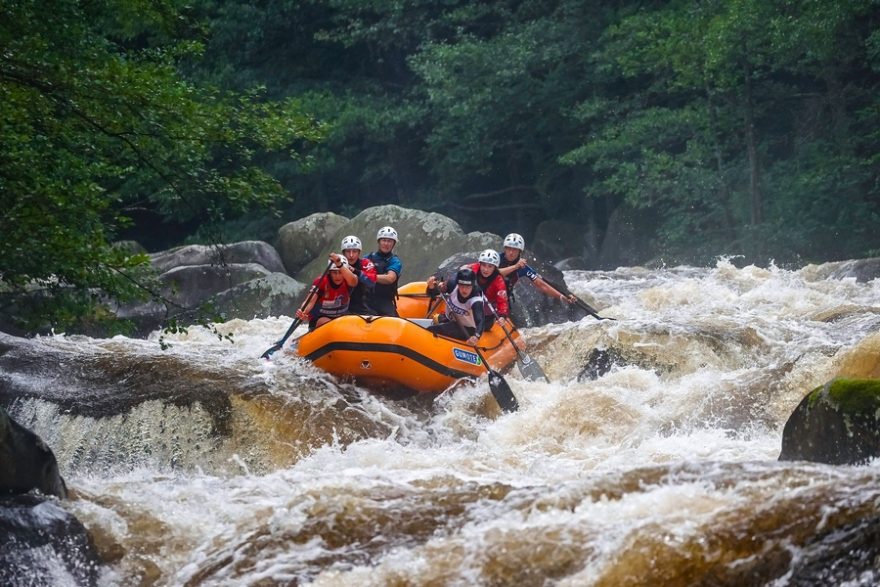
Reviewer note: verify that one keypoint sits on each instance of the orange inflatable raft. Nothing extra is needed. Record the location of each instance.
(394, 353)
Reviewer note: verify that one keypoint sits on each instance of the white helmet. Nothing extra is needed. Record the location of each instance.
(351, 242)
(387, 232)
(514, 241)
(490, 256)
(343, 262)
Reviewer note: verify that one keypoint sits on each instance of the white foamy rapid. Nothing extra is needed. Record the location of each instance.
(661, 470)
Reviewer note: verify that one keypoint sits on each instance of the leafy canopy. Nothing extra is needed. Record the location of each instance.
(96, 121)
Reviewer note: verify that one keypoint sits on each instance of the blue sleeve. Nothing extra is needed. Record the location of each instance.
(528, 272)
(395, 265)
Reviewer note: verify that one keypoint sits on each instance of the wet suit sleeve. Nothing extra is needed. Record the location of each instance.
(477, 310)
(395, 265)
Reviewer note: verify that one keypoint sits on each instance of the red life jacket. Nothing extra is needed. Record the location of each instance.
(332, 299)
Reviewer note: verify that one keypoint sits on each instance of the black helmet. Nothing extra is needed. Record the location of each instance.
(465, 276)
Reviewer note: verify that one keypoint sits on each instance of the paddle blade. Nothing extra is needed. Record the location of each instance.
(530, 369)
(275, 347)
(502, 392)
(280, 344)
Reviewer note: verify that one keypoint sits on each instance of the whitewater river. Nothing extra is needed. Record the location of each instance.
(205, 465)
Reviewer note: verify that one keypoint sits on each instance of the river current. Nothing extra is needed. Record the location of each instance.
(203, 464)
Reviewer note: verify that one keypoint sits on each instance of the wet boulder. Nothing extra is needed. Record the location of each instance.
(843, 555)
(625, 242)
(863, 270)
(43, 544)
(188, 286)
(558, 239)
(836, 424)
(303, 240)
(600, 362)
(276, 294)
(572, 264)
(195, 274)
(425, 240)
(26, 462)
(240, 253)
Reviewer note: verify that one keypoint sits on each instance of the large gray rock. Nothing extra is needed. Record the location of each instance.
(303, 240)
(253, 294)
(862, 270)
(273, 295)
(195, 274)
(114, 405)
(572, 264)
(26, 462)
(188, 286)
(836, 423)
(426, 239)
(43, 544)
(144, 316)
(625, 242)
(243, 252)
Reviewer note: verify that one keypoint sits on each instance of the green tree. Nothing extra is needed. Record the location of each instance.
(95, 120)
(731, 119)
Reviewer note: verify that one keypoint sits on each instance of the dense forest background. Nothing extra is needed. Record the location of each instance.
(671, 131)
(740, 127)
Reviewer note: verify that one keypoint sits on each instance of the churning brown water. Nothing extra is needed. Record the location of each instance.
(205, 465)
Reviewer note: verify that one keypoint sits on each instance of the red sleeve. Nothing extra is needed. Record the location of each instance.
(368, 269)
(501, 304)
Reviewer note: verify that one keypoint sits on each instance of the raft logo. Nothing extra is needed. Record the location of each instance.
(466, 356)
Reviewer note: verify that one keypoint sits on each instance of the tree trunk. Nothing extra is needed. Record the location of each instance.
(757, 198)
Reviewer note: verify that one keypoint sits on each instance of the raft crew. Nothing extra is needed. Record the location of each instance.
(463, 319)
(365, 272)
(333, 294)
(383, 298)
(513, 266)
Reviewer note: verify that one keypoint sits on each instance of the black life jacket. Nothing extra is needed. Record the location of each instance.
(381, 263)
(358, 301)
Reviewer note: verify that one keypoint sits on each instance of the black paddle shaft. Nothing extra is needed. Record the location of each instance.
(579, 302)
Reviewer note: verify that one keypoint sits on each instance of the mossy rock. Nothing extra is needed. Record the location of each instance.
(836, 423)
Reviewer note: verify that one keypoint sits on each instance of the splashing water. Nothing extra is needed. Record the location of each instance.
(205, 465)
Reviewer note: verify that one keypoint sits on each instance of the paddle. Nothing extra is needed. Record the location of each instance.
(528, 367)
(296, 321)
(433, 306)
(497, 385)
(578, 302)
